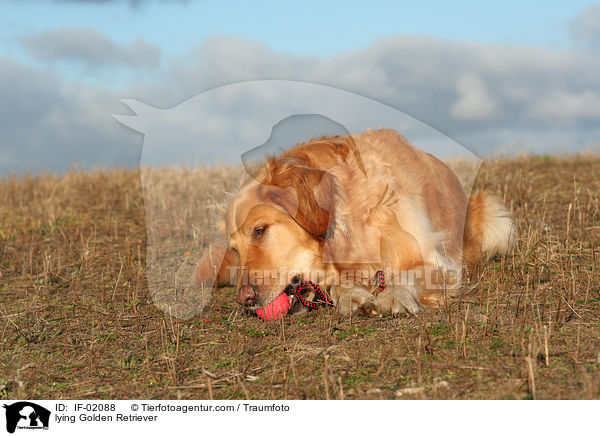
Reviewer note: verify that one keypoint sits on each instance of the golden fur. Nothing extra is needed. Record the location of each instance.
(341, 207)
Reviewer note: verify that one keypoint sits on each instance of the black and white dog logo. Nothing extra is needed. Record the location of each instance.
(26, 415)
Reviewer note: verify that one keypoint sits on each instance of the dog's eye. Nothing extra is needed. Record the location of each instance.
(258, 231)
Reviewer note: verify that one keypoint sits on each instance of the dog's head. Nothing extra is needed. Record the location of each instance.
(277, 224)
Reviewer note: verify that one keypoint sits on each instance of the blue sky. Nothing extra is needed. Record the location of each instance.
(318, 28)
(488, 74)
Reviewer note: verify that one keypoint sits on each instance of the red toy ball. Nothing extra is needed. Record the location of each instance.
(276, 309)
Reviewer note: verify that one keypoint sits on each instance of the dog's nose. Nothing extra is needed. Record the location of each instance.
(246, 295)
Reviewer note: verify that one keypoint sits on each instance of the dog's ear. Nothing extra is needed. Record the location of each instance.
(307, 194)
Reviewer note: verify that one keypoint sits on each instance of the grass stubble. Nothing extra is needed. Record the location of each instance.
(79, 320)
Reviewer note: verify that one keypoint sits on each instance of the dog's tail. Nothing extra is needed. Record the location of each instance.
(489, 229)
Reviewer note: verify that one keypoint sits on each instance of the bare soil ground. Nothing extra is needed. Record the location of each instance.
(77, 319)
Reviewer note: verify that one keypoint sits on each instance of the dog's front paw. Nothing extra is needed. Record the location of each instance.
(398, 299)
(356, 299)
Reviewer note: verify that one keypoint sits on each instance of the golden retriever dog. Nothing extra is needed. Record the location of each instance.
(337, 210)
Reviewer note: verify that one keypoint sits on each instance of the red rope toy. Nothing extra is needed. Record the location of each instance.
(324, 299)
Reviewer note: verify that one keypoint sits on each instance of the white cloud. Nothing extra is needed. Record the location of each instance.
(483, 96)
(467, 90)
(569, 106)
(474, 101)
(48, 125)
(585, 28)
(90, 47)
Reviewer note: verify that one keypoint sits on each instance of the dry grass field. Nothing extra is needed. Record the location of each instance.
(79, 318)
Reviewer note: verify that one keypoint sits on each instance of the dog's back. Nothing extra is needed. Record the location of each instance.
(477, 227)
